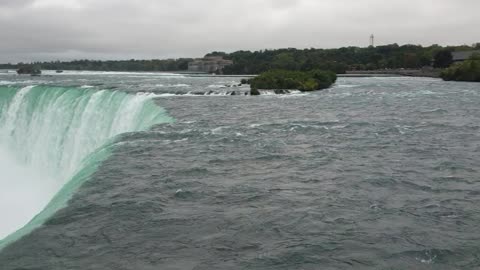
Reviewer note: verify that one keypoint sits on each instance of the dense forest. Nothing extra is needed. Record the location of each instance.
(247, 62)
(342, 59)
(123, 65)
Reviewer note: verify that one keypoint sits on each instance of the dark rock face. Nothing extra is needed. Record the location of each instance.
(244, 81)
(254, 92)
(199, 93)
(281, 91)
(29, 69)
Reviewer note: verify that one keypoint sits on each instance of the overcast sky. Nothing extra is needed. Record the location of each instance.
(124, 29)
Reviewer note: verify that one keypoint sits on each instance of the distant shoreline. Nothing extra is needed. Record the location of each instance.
(349, 74)
(427, 72)
(430, 73)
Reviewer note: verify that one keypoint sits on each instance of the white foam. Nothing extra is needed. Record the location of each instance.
(346, 86)
(112, 73)
(23, 196)
(179, 85)
(6, 82)
(217, 86)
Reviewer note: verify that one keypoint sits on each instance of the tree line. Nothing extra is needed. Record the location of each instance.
(339, 60)
(121, 65)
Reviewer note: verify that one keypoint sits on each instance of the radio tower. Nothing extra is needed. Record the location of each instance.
(372, 40)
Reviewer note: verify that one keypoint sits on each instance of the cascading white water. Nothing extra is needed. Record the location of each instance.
(51, 139)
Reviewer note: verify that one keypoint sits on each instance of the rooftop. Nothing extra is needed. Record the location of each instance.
(464, 55)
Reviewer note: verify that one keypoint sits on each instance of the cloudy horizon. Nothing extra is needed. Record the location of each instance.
(44, 30)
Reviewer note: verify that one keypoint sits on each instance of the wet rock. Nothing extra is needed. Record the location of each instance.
(254, 92)
(29, 69)
(281, 91)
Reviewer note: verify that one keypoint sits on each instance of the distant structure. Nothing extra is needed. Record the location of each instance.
(462, 56)
(372, 40)
(210, 64)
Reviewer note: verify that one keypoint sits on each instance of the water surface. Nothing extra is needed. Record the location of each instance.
(374, 173)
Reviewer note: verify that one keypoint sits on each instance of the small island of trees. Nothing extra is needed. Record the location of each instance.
(298, 80)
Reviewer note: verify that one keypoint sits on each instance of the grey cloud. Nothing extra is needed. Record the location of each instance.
(118, 29)
(15, 3)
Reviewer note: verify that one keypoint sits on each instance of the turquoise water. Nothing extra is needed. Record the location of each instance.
(60, 135)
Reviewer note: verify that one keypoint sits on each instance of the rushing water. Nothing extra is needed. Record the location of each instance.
(374, 173)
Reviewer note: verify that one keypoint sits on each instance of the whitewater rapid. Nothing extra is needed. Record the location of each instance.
(52, 139)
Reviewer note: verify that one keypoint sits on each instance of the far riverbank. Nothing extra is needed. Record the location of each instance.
(426, 72)
(433, 73)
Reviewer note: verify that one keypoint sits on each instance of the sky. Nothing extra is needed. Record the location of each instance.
(44, 30)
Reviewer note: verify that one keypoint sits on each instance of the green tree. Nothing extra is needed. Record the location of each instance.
(285, 79)
(443, 59)
(466, 71)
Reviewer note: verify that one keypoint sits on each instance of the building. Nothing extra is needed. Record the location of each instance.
(462, 56)
(210, 64)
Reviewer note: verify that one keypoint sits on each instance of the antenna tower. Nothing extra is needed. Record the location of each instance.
(372, 40)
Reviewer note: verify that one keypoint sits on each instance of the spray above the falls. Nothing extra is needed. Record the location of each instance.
(52, 139)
